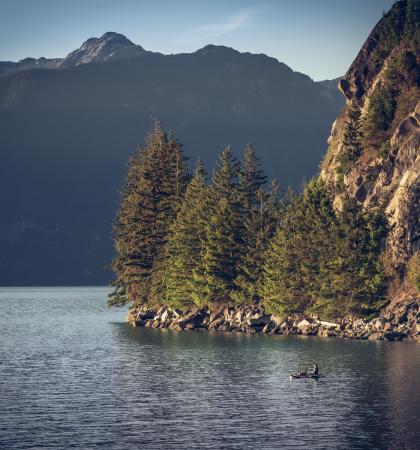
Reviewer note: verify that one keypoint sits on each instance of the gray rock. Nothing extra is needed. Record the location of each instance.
(214, 325)
(303, 324)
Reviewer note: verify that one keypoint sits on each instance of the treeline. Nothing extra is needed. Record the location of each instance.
(184, 240)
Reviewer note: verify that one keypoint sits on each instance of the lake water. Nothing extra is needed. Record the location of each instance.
(74, 375)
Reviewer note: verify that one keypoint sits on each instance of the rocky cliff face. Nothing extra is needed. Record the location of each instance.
(386, 173)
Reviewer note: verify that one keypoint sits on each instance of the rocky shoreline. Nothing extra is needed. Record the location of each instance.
(400, 323)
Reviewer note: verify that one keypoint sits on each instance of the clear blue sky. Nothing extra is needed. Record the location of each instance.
(317, 37)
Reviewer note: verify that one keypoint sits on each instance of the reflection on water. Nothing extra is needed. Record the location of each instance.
(73, 374)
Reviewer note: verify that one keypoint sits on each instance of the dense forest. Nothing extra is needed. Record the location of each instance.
(231, 238)
(192, 240)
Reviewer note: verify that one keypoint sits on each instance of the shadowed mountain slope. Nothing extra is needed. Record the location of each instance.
(68, 126)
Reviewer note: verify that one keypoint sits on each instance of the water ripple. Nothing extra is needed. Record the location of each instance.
(74, 375)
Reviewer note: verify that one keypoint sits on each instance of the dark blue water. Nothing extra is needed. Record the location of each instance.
(74, 375)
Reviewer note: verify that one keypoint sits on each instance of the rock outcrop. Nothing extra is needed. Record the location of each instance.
(390, 181)
(401, 322)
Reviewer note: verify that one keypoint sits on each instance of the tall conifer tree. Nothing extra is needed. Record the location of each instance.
(214, 275)
(155, 184)
(298, 249)
(352, 140)
(257, 213)
(186, 244)
(352, 280)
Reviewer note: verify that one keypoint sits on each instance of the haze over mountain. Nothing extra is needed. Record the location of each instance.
(68, 126)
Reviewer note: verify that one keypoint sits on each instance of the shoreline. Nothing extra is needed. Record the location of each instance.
(399, 324)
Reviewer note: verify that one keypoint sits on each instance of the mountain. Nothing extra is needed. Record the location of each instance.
(383, 82)
(68, 126)
(109, 47)
(9, 67)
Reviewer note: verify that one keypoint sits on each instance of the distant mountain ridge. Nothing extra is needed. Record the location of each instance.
(68, 126)
(110, 46)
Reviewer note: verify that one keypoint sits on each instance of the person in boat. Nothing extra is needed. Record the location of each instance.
(307, 372)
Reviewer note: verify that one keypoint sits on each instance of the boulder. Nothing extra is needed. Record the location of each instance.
(165, 315)
(303, 324)
(214, 325)
(378, 324)
(326, 324)
(239, 316)
(322, 332)
(312, 330)
(196, 317)
(267, 328)
(387, 326)
(228, 312)
(278, 320)
(146, 315)
(224, 327)
(259, 320)
(374, 336)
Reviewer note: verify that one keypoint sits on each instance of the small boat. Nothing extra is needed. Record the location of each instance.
(304, 375)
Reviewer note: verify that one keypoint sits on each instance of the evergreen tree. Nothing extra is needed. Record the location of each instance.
(282, 289)
(413, 271)
(214, 275)
(380, 112)
(412, 23)
(156, 181)
(225, 178)
(352, 147)
(297, 251)
(324, 262)
(352, 280)
(319, 229)
(186, 243)
(128, 215)
(259, 209)
(251, 178)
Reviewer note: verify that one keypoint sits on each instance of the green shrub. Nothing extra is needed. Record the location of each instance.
(413, 271)
(384, 149)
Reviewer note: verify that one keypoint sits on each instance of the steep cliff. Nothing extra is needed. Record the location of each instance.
(382, 86)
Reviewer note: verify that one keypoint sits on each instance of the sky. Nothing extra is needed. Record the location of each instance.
(317, 37)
